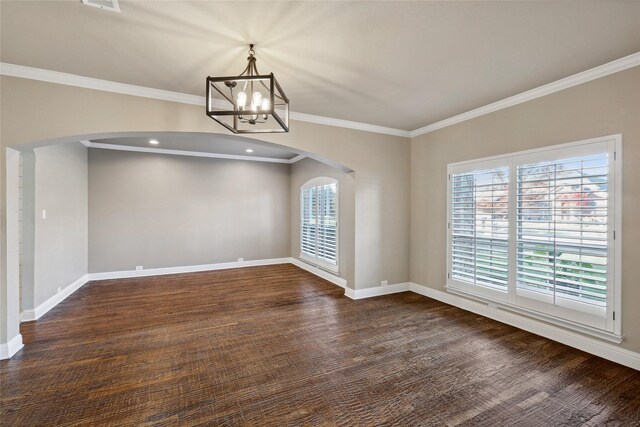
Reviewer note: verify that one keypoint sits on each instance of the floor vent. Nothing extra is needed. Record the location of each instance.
(111, 5)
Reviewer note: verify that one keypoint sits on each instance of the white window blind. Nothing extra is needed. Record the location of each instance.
(535, 231)
(562, 231)
(319, 222)
(479, 227)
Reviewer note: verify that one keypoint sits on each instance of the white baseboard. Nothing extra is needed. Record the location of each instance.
(185, 269)
(377, 291)
(573, 339)
(318, 272)
(10, 348)
(28, 315)
(42, 309)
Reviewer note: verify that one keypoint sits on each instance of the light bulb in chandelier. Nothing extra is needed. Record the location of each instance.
(252, 97)
(241, 100)
(257, 98)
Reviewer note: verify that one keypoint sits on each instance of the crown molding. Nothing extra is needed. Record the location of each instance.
(116, 147)
(330, 121)
(297, 158)
(50, 76)
(612, 67)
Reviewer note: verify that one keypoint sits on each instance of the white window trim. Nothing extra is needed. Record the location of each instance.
(612, 329)
(316, 182)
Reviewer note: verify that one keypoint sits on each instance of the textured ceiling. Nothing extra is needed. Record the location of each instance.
(396, 64)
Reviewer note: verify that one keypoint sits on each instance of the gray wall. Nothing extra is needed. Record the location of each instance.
(605, 106)
(380, 161)
(60, 246)
(158, 211)
(301, 172)
(28, 229)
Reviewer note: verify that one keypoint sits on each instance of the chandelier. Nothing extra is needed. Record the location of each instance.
(248, 103)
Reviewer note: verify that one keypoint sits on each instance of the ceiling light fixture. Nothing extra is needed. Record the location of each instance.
(249, 150)
(153, 142)
(256, 99)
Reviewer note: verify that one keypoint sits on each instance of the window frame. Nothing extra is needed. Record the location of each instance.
(313, 183)
(608, 327)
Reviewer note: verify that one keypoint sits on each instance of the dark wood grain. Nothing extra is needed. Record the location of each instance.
(278, 346)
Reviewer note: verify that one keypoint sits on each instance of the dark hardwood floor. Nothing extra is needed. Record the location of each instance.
(278, 346)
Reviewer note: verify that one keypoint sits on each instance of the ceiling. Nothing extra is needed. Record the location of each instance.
(396, 64)
(202, 143)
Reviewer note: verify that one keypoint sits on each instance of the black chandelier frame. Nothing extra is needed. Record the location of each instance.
(244, 120)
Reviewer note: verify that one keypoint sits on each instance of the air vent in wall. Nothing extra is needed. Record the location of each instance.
(111, 5)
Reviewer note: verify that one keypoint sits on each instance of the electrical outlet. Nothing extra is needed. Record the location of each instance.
(384, 283)
(492, 306)
(240, 259)
(139, 267)
(44, 214)
(59, 289)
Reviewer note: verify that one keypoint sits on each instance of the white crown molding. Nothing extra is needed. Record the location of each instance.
(10, 348)
(573, 339)
(50, 76)
(330, 121)
(298, 158)
(612, 67)
(40, 74)
(154, 150)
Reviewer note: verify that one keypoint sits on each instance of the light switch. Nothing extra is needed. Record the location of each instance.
(44, 214)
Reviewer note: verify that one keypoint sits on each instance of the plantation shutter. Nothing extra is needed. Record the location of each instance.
(327, 230)
(535, 232)
(319, 221)
(309, 224)
(562, 232)
(479, 227)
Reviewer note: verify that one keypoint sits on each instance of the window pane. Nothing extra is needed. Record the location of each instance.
(308, 217)
(479, 227)
(319, 230)
(562, 229)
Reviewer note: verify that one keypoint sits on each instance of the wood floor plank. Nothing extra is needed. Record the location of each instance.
(275, 345)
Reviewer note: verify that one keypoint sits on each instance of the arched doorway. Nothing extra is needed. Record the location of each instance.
(21, 253)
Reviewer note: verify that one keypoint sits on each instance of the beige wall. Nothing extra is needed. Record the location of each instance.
(380, 161)
(60, 247)
(158, 211)
(9, 296)
(301, 172)
(381, 164)
(601, 107)
(27, 223)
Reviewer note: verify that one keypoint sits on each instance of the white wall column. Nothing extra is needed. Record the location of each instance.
(10, 338)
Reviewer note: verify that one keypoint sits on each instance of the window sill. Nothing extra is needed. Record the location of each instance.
(320, 264)
(496, 305)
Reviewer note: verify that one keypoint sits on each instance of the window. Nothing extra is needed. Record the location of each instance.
(535, 232)
(319, 222)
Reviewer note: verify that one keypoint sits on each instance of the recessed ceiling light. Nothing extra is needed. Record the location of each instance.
(153, 142)
(249, 150)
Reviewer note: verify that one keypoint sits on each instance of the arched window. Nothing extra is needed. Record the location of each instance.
(319, 222)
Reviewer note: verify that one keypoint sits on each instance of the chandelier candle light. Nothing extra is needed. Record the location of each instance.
(248, 103)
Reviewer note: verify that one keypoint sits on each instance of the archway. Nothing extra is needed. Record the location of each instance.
(25, 223)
